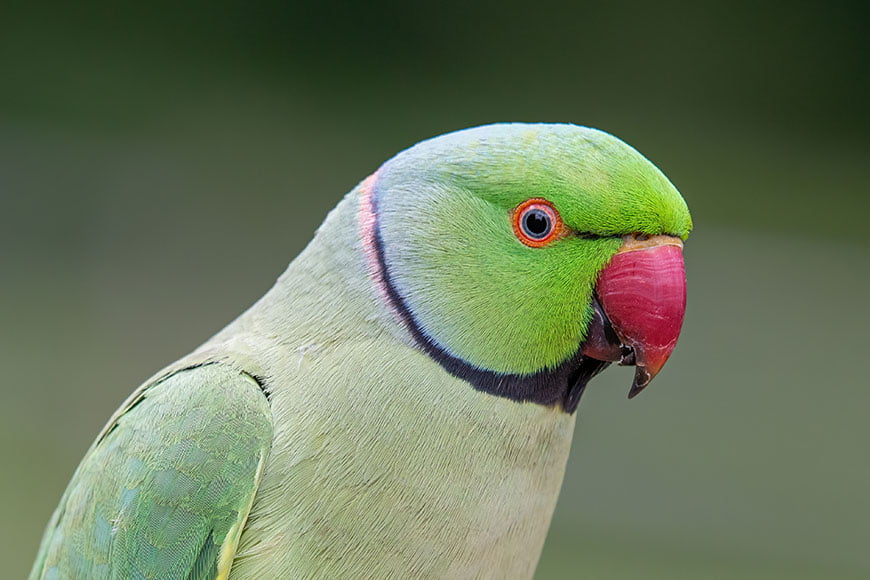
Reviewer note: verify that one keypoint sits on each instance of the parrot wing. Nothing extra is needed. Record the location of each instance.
(165, 491)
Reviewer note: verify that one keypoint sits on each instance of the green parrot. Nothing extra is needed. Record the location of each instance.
(401, 403)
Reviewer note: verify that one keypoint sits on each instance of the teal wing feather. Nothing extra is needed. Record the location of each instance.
(165, 491)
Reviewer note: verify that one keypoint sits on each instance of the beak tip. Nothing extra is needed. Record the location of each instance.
(642, 378)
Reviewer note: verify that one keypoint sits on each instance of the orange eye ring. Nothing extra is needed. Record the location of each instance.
(537, 223)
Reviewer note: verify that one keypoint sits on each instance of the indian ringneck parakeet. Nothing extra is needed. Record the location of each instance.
(401, 403)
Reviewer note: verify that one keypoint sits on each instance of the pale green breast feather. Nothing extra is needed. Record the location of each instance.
(165, 491)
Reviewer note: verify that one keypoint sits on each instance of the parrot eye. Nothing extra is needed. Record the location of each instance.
(537, 223)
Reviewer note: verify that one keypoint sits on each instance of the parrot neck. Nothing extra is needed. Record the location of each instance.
(342, 284)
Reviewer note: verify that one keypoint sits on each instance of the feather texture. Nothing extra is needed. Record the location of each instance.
(165, 491)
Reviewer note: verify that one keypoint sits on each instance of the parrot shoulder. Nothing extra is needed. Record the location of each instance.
(166, 489)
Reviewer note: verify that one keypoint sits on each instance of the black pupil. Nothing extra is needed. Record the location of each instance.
(536, 224)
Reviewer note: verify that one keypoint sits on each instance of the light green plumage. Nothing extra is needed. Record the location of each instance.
(380, 463)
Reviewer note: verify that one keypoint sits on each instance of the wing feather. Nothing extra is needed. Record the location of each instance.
(165, 491)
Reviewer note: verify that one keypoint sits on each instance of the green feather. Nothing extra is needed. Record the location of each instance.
(168, 486)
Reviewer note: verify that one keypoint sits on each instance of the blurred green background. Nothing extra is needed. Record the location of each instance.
(161, 163)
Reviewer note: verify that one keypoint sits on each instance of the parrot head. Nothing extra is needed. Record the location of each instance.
(526, 258)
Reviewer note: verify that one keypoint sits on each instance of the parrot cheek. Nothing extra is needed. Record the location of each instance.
(638, 313)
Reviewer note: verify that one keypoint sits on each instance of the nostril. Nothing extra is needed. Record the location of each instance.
(641, 237)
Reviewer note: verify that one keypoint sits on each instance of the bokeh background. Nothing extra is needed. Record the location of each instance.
(161, 163)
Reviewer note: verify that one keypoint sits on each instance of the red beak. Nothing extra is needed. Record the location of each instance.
(641, 300)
